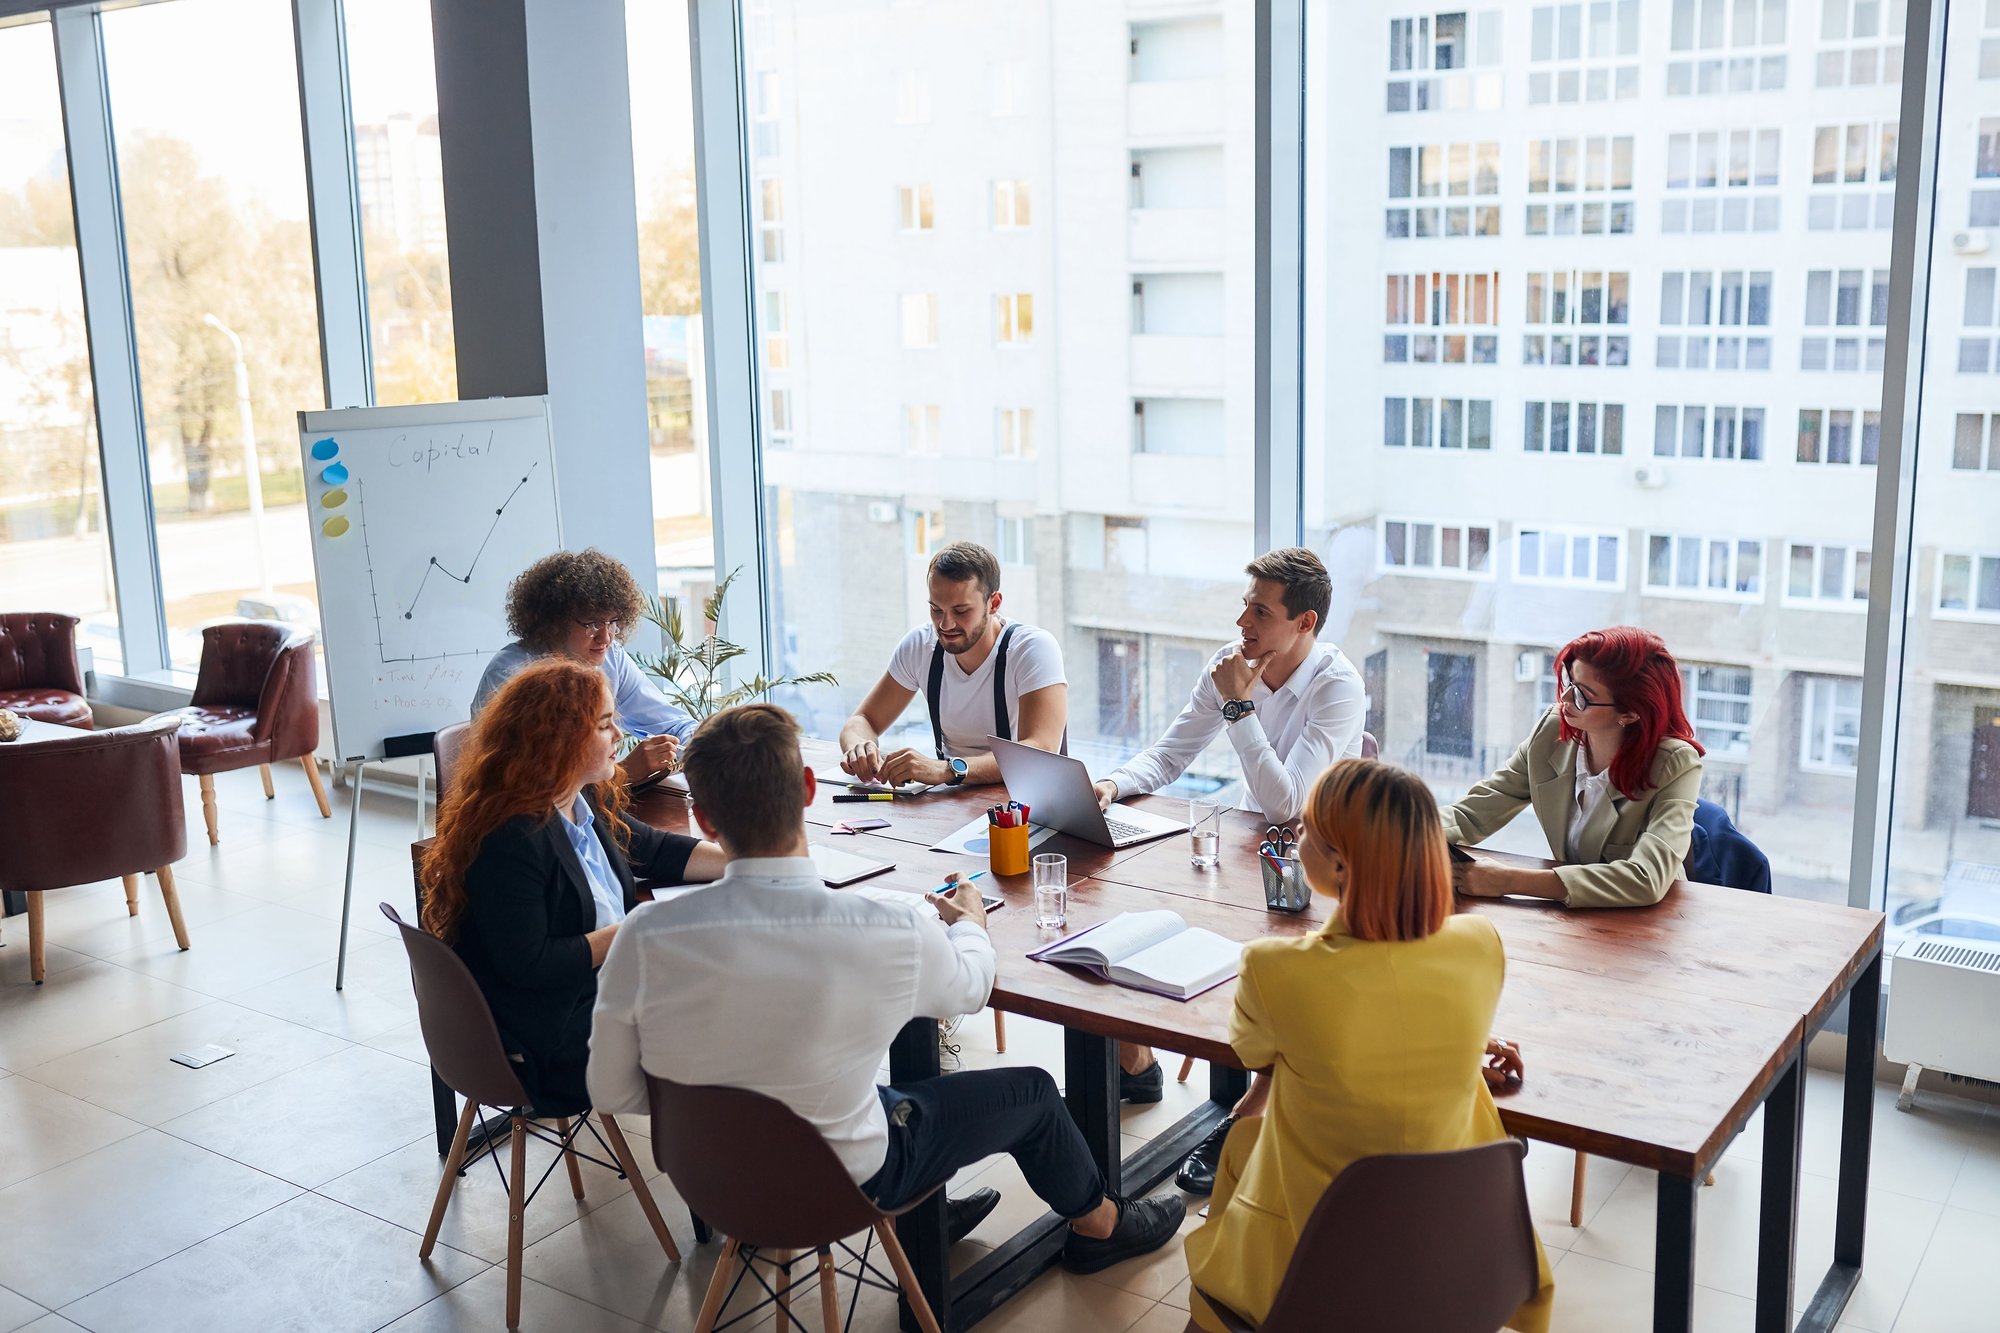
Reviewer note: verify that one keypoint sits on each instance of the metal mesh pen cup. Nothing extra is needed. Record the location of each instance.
(1284, 890)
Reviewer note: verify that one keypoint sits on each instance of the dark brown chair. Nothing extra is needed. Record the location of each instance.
(445, 749)
(256, 701)
(89, 807)
(465, 1050)
(767, 1180)
(1417, 1243)
(39, 677)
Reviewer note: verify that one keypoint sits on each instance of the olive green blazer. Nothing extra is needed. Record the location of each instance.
(1633, 848)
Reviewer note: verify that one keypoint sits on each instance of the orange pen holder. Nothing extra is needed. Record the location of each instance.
(1007, 850)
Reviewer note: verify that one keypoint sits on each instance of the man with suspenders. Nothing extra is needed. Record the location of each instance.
(981, 676)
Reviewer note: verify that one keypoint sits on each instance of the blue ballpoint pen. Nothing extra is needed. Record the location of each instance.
(947, 888)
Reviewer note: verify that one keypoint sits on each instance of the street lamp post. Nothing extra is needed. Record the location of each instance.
(252, 473)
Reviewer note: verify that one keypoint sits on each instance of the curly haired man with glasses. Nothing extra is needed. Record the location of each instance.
(583, 604)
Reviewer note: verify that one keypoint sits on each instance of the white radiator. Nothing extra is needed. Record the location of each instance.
(1944, 1010)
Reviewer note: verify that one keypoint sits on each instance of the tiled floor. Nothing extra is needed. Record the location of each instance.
(285, 1187)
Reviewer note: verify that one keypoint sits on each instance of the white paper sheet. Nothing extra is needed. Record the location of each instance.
(971, 840)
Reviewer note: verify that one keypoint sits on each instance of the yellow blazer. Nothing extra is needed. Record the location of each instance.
(1632, 849)
(1374, 1048)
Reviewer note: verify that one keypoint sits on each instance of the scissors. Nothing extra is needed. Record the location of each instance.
(1277, 842)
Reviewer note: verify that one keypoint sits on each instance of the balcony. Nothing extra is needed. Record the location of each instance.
(1176, 365)
(1180, 484)
(1174, 111)
(1176, 236)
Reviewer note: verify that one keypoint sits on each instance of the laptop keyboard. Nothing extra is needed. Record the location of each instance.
(1120, 829)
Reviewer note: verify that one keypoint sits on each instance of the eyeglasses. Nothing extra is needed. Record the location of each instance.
(596, 627)
(1573, 697)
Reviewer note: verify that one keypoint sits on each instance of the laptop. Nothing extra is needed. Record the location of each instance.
(1057, 791)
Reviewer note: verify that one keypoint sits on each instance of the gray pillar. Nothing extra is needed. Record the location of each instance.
(535, 123)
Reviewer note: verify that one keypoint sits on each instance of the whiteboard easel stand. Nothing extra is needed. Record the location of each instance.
(347, 893)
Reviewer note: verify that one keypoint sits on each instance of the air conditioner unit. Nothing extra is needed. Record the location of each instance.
(1527, 666)
(1651, 476)
(881, 511)
(1941, 1010)
(1970, 242)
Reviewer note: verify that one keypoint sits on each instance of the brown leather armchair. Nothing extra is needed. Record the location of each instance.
(89, 807)
(256, 701)
(39, 677)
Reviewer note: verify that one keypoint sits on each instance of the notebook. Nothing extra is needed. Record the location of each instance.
(857, 785)
(1150, 951)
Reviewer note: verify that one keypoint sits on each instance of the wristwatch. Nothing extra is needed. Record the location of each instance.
(1234, 709)
(957, 772)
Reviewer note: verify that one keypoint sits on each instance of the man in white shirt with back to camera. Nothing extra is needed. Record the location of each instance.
(980, 674)
(1290, 706)
(768, 980)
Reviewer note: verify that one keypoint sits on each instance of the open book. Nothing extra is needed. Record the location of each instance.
(1150, 951)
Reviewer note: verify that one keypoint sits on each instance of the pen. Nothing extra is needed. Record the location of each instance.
(947, 888)
(842, 796)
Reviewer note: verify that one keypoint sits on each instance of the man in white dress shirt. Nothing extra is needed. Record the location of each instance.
(770, 981)
(1290, 705)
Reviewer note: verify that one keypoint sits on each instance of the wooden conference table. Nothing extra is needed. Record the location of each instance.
(1651, 1035)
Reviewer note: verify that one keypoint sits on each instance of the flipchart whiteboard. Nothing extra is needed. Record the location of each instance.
(420, 518)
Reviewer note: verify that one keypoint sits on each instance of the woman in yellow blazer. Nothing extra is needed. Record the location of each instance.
(1612, 772)
(1375, 1029)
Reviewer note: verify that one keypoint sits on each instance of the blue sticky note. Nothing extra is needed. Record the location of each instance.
(335, 474)
(324, 449)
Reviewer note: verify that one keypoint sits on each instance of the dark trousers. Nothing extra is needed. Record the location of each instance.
(941, 1124)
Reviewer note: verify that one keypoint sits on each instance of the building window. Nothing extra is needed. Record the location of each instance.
(1849, 298)
(1014, 432)
(920, 428)
(1830, 730)
(913, 97)
(1583, 428)
(1976, 443)
(1826, 577)
(1008, 88)
(1468, 174)
(1434, 59)
(1717, 47)
(1583, 52)
(1016, 311)
(1721, 567)
(914, 207)
(1016, 541)
(1968, 586)
(1444, 423)
(1854, 177)
(766, 86)
(1977, 345)
(1010, 204)
(1721, 180)
(778, 421)
(1708, 432)
(1860, 43)
(926, 532)
(1718, 703)
(1456, 305)
(1829, 435)
(1545, 683)
(1446, 550)
(1572, 556)
(1590, 308)
(771, 218)
(1989, 46)
(1125, 545)
(920, 319)
(1597, 167)
(1699, 300)
(777, 332)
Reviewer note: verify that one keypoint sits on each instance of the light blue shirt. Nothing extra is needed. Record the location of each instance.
(605, 890)
(642, 709)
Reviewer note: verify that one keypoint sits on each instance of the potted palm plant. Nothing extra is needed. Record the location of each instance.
(690, 670)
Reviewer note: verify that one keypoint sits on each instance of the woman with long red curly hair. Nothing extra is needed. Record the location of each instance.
(533, 867)
(1612, 771)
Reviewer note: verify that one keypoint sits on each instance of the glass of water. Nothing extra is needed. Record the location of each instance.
(1051, 881)
(1204, 832)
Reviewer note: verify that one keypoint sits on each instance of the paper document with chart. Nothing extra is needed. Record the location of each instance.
(1150, 951)
(421, 517)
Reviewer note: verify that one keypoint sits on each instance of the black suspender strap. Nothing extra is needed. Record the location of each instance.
(934, 691)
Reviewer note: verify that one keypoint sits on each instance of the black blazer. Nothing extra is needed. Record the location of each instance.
(528, 907)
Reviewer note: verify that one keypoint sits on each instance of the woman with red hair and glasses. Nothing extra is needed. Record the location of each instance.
(533, 867)
(1612, 771)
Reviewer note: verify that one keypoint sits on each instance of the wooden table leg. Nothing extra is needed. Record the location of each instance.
(1090, 1087)
(1778, 1209)
(1673, 1256)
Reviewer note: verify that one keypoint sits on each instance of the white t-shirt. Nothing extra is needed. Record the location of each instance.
(965, 703)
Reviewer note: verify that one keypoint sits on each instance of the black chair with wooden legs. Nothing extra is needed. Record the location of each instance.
(465, 1050)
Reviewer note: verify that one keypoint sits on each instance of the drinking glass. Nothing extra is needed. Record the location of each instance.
(1204, 832)
(1051, 881)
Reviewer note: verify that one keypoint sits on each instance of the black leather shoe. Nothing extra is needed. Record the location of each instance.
(963, 1214)
(1144, 1225)
(1197, 1173)
(1143, 1088)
